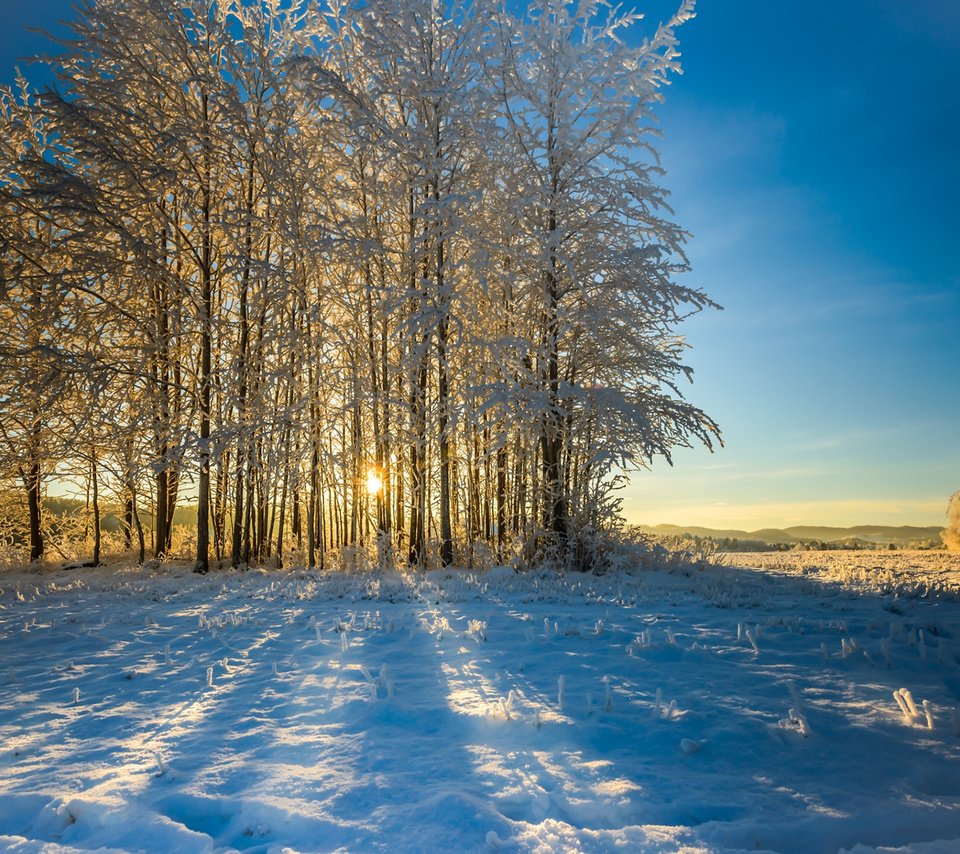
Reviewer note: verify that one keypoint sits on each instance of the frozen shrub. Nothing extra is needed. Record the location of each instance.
(951, 533)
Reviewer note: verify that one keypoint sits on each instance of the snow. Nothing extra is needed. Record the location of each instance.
(718, 708)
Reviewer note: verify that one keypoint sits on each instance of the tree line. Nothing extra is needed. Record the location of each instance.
(388, 275)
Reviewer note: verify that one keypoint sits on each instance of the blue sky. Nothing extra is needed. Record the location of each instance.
(813, 150)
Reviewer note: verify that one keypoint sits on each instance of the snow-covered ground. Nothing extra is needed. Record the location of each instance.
(716, 709)
(904, 573)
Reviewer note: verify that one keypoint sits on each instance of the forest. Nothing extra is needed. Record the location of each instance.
(387, 279)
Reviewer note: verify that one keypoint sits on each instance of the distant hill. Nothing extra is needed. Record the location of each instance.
(870, 533)
(862, 536)
(61, 505)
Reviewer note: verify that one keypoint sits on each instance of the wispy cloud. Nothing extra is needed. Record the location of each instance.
(845, 439)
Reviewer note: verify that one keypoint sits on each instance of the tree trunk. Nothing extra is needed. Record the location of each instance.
(555, 502)
(128, 523)
(242, 353)
(136, 520)
(160, 522)
(206, 335)
(34, 500)
(418, 485)
(95, 485)
(501, 500)
(443, 390)
(443, 424)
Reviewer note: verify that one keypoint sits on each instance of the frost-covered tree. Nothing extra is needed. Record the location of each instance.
(351, 276)
(598, 259)
(951, 533)
(37, 370)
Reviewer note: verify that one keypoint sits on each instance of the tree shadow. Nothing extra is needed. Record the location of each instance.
(729, 761)
(434, 714)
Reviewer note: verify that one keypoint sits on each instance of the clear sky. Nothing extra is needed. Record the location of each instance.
(813, 150)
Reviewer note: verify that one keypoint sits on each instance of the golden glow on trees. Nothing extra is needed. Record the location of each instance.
(389, 278)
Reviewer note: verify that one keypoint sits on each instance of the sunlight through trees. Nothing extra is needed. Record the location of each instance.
(399, 276)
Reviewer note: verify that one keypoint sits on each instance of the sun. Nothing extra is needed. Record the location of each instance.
(374, 482)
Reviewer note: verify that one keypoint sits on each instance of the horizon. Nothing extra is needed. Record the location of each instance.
(841, 514)
(845, 517)
(76, 494)
(751, 530)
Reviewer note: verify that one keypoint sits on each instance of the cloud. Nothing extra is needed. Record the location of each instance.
(855, 438)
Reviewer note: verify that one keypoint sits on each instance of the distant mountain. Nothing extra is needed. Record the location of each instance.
(901, 536)
(870, 533)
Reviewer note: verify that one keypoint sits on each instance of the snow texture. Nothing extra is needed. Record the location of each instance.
(720, 709)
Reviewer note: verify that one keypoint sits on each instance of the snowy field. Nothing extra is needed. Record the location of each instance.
(808, 706)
